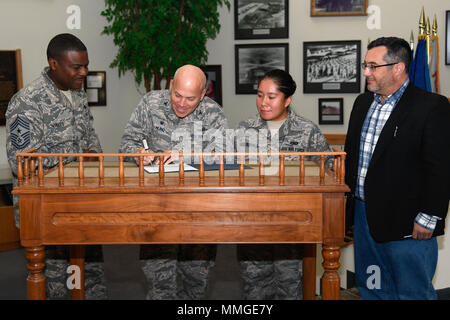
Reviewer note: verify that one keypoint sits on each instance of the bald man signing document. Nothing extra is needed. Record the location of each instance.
(179, 119)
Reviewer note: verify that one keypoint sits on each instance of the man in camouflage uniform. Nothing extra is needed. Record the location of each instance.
(274, 271)
(162, 117)
(52, 115)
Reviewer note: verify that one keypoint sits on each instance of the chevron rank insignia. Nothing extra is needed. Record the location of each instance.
(20, 133)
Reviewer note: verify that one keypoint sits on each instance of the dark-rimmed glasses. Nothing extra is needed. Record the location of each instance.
(373, 67)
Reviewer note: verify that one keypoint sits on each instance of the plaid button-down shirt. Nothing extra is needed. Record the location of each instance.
(376, 118)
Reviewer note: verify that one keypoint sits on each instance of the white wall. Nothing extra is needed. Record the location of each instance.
(30, 24)
(398, 18)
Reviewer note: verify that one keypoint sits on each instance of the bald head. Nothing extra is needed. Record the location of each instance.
(187, 90)
(191, 76)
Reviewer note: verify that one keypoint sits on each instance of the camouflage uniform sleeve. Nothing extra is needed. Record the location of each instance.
(136, 129)
(24, 130)
(246, 135)
(242, 125)
(319, 143)
(216, 118)
(91, 139)
(215, 121)
(240, 141)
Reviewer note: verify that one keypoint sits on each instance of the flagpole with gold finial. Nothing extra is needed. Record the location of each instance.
(434, 28)
(411, 41)
(434, 38)
(422, 24)
(428, 31)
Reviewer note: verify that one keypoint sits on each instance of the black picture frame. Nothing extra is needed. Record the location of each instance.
(95, 87)
(261, 19)
(252, 61)
(321, 8)
(332, 66)
(331, 111)
(11, 80)
(447, 37)
(214, 82)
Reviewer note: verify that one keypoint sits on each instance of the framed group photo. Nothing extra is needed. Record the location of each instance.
(254, 60)
(261, 19)
(447, 37)
(338, 8)
(332, 66)
(213, 82)
(331, 111)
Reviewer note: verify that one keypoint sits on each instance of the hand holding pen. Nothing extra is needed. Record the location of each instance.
(171, 157)
(147, 159)
(152, 160)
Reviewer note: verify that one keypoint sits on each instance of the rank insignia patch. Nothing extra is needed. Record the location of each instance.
(20, 133)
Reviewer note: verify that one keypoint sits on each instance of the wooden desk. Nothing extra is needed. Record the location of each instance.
(117, 203)
(9, 234)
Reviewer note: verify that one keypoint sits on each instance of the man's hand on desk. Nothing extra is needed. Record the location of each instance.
(172, 157)
(148, 160)
(90, 158)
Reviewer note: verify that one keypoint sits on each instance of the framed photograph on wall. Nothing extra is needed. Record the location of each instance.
(261, 19)
(447, 37)
(11, 79)
(254, 60)
(331, 111)
(214, 82)
(95, 86)
(338, 8)
(332, 66)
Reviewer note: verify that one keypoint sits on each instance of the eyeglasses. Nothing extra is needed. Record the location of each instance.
(373, 67)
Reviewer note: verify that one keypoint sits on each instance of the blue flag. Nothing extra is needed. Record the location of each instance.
(418, 71)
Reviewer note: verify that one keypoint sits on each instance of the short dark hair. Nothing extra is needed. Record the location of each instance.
(283, 80)
(398, 50)
(64, 42)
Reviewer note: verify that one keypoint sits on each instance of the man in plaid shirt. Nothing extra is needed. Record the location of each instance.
(398, 173)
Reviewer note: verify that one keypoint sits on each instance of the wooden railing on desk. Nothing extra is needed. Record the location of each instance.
(26, 168)
(247, 207)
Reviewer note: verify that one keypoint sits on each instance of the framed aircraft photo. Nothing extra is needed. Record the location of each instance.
(261, 19)
(254, 60)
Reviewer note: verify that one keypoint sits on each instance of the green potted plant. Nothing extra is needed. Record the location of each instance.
(155, 37)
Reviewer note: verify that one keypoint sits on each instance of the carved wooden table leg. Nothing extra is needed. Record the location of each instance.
(309, 271)
(36, 277)
(77, 258)
(330, 278)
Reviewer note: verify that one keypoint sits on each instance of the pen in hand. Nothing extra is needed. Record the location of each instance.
(155, 160)
(145, 144)
(145, 149)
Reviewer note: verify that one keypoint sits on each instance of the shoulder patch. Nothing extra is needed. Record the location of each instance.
(20, 133)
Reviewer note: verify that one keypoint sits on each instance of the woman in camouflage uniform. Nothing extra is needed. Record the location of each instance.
(273, 271)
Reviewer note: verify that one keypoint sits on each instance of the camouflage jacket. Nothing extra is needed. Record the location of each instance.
(296, 134)
(154, 120)
(39, 116)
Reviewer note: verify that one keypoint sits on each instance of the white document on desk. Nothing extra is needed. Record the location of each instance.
(172, 167)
